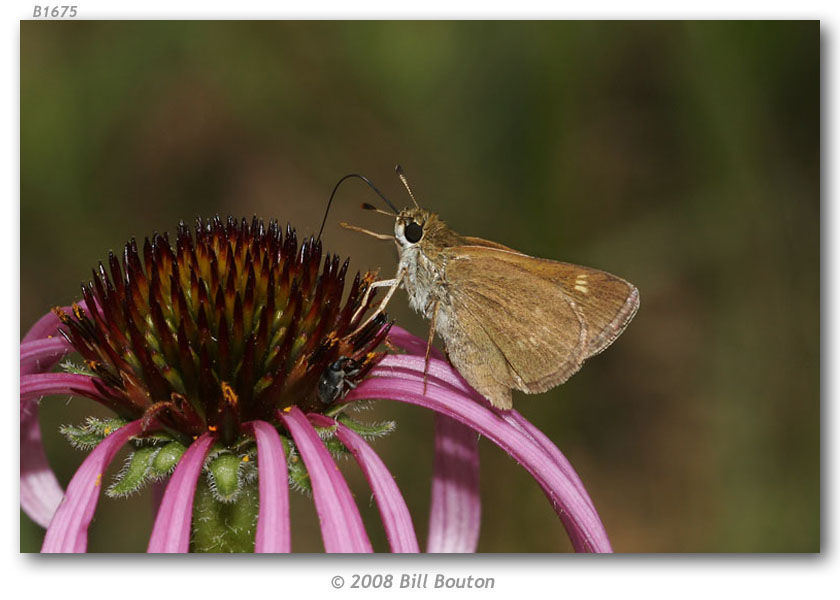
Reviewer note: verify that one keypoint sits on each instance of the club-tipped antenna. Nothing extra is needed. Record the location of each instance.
(401, 175)
(335, 189)
(376, 209)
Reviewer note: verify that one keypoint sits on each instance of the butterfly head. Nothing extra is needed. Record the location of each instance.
(412, 225)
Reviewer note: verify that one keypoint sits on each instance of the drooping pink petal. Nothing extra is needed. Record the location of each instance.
(41, 355)
(40, 492)
(395, 516)
(341, 524)
(171, 532)
(410, 342)
(517, 420)
(580, 519)
(408, 367)
(45, 327)
(455, 512)
(36, 385)
(273, 523)
(412, 365)
(69, 527)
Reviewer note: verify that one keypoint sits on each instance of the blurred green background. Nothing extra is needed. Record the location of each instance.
(681, 156)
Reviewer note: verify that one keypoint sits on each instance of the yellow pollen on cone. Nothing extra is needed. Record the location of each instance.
(229, 394)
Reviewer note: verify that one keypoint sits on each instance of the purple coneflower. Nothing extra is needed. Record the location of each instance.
(227, 362)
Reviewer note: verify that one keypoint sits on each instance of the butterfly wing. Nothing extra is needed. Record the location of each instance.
(510, 330)
(608, 303)
(528, 323)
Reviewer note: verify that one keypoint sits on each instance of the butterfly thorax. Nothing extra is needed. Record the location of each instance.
(422, 280)
(424, 263)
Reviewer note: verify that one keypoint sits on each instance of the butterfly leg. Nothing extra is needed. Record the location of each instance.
(384, 283)
(394, 283)
(429, 344)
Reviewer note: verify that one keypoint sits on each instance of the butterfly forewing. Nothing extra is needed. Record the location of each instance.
(608, 303)
(543, 317)
(537, 329)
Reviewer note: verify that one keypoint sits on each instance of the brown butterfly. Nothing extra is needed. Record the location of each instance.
(509, 320)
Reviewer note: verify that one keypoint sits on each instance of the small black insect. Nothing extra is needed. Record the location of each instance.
(335, 382)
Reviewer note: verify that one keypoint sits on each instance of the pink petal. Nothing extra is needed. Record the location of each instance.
(37, 385)
(411, 365)
(40, 492)
(392, 508)
(273, 525)
(408, 367)
(517, 420)
(341, 524)
(455, 513)
(46, 326)
(580, 519)
(41, 355)
(171, 532)
(68, 529)
(410, 342)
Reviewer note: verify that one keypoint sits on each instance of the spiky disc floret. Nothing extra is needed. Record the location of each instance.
(233, 323)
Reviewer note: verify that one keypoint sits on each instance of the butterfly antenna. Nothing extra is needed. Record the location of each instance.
(371, 207)
(401, 175)
(335, 189)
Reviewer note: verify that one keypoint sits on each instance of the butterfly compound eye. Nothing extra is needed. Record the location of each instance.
(413, 232)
